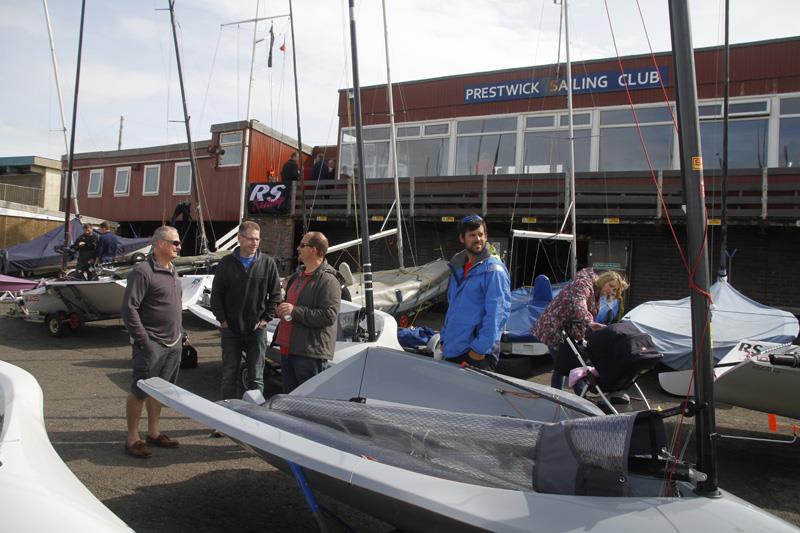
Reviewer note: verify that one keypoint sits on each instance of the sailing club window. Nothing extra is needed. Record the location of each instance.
(547, 148)
(152, 176)
(376, 152)
(548, 151)
(231, 143)
(747, 143)
(422, 157)
(620, 146)
(122, 181)
(75, 175)
(95, 183)
(183, 179)
(748, 138)
(789, 133)
(484, 147)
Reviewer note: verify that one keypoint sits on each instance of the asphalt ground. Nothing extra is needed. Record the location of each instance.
(211, 484)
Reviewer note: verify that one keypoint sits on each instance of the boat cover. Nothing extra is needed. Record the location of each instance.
(41, 252)
(734, 317)
(579, 456)
(12, 284)
(528, 304)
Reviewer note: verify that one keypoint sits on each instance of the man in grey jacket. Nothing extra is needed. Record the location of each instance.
(151, 311)
(246, 290)
(307, 331)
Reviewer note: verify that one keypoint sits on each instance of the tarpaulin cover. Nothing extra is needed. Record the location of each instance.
(41, 252)
(528, 303)
(734, 317)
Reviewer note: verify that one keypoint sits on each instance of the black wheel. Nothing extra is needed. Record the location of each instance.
(55, 325)
(138, 257)
(515, 366)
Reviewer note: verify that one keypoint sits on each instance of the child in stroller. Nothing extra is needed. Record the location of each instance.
(620, 353)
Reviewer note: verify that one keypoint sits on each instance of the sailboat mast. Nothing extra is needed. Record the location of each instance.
(573, 252)
(362, 183)
(297, 112)
(692, 172)
(72, 141)
(186, 118)
(726, 83)
(393, 141)
(246, 149)
(60, 96)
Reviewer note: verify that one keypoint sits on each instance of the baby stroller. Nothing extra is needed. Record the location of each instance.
(620, 353)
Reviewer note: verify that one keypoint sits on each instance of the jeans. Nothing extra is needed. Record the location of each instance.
(297, 369)
(254, 345)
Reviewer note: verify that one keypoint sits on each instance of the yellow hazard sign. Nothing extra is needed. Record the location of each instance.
(697, 163)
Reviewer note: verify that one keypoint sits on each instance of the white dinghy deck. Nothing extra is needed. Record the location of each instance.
(426, 445)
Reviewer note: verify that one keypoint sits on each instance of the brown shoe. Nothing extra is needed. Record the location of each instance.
(138, 449)
(162, 441)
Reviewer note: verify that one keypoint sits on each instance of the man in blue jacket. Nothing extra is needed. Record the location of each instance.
(478, 297)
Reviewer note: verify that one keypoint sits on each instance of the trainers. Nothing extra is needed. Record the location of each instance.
(619, 398)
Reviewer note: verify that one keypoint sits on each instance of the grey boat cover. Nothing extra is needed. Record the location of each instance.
(585, 456)
(41, 252)
(734, 317)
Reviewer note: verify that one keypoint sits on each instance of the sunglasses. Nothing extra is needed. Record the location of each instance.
(304, 245)
(173, 243)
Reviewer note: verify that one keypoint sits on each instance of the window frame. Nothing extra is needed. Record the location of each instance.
(175, 190)
(127, 190)
(75, 181)
(239, 143)
(99, 192)
(158, 180)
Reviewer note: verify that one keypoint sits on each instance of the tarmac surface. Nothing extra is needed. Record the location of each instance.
(211, 484)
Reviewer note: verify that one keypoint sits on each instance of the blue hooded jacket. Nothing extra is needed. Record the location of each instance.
(479, 305)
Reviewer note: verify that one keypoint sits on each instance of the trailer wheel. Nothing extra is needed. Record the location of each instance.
(55, 325)
(74, 322)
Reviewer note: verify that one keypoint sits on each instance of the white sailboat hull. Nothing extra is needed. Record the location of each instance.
(417, 501)
(95, 300)
(38, 492)
(401, 291)
(744, 379)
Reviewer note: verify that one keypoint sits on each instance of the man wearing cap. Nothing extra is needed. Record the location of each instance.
(478, 297)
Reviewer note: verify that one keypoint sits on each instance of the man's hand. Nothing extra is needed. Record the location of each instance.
(472, 354)
(223, 324)
(262, 324)
(284, 309)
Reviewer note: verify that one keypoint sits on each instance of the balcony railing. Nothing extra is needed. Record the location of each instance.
(21, 195)
(762, 196)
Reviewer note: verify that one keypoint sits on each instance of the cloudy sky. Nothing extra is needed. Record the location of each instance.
(129, 69)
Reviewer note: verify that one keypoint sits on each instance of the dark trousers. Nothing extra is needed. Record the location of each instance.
(297, 369)
(254, 346)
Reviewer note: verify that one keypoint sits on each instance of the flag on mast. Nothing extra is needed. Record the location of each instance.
(271, 42)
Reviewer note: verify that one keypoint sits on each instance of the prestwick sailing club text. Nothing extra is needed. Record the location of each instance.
(646, 78)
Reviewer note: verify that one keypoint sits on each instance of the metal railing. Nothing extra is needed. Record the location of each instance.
(21, 195)
(754, 196)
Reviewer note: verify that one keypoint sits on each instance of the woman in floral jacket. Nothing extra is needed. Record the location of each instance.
(573, 310)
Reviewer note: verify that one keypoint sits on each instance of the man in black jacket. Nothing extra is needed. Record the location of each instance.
(290, 170)
(246, 291)
(86, 246)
